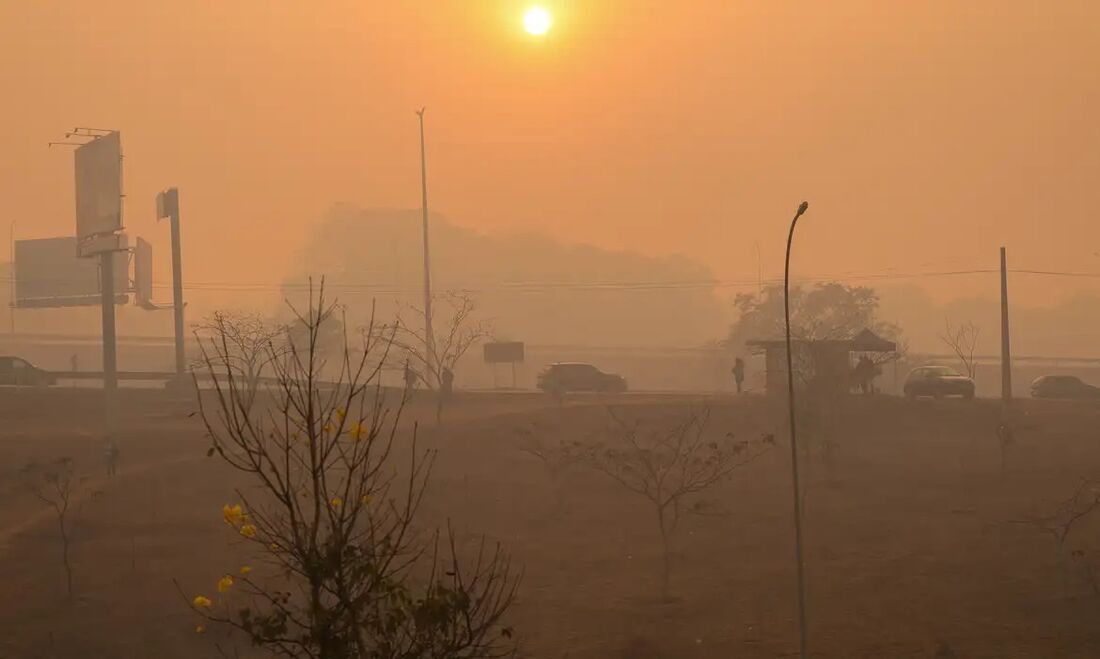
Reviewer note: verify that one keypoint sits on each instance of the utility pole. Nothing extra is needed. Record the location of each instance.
(11, 264)
(429, 338)
(168, 205)
(1006, 355)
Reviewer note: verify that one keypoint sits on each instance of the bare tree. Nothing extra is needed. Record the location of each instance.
(671, 465)
(436, 357)
(58, 486)
(556, 457)
(247, 343)
(1066, 516)
(342, 572)
(1058, 524)
(963, 341)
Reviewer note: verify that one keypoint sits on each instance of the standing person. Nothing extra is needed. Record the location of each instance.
(738, 371)
(110, 456)
(865, 374)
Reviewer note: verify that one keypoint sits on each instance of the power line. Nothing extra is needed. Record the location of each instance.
(534, 287)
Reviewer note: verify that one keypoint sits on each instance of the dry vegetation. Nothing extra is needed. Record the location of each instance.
(917, 544)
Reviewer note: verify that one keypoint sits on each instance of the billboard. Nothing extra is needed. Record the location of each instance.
(504, 352)
(143, 273)
(99, 186)
(48, 273)
(168, 203)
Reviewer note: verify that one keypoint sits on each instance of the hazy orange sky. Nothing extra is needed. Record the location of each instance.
(923, 134)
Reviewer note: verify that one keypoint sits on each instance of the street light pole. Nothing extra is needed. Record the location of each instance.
(429, 338)
(802, 642)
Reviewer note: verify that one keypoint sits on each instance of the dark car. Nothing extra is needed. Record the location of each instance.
(573, 376)
(20, 372)
(1062, 386)
(937, 382)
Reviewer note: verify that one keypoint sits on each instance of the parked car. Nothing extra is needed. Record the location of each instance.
(20, 372)
(564, 377)
(1062, 386)
(937, 382)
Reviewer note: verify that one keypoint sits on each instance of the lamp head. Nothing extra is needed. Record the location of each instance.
(802, 208)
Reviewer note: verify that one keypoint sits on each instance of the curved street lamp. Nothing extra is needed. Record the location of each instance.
(802, 644)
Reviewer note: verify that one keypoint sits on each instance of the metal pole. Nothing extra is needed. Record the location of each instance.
(177, 280)
(429, 338)
(110, 371)
(802, 642)
(1006, 356)
(11, 264)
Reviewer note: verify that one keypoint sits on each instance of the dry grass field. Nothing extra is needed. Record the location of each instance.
(919, 543)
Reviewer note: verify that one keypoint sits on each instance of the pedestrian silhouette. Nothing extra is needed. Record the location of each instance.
(738, 371)
(110, 456)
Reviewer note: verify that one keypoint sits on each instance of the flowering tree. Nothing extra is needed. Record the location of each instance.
(340, 572)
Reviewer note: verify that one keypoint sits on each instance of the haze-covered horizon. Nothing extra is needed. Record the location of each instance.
(924, 136)
(520, 282)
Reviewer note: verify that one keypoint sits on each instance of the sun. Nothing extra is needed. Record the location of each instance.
(537, 21)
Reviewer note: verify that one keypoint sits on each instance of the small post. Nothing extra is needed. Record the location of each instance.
(1006, 355)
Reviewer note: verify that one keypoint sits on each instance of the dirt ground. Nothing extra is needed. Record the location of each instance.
(918, 542)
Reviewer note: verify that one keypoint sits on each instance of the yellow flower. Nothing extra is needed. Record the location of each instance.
(274, 546)
(233, 515)
(248, 531)
(200, 629)
(328, 428)
(336, 502)
(245, 570)
(201, 602)
(366, 499)
(357, 431)
(340, 412)
(225, 583)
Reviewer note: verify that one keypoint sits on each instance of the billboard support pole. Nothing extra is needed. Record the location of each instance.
(110, 364)
(168, 206)
(177, 281)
